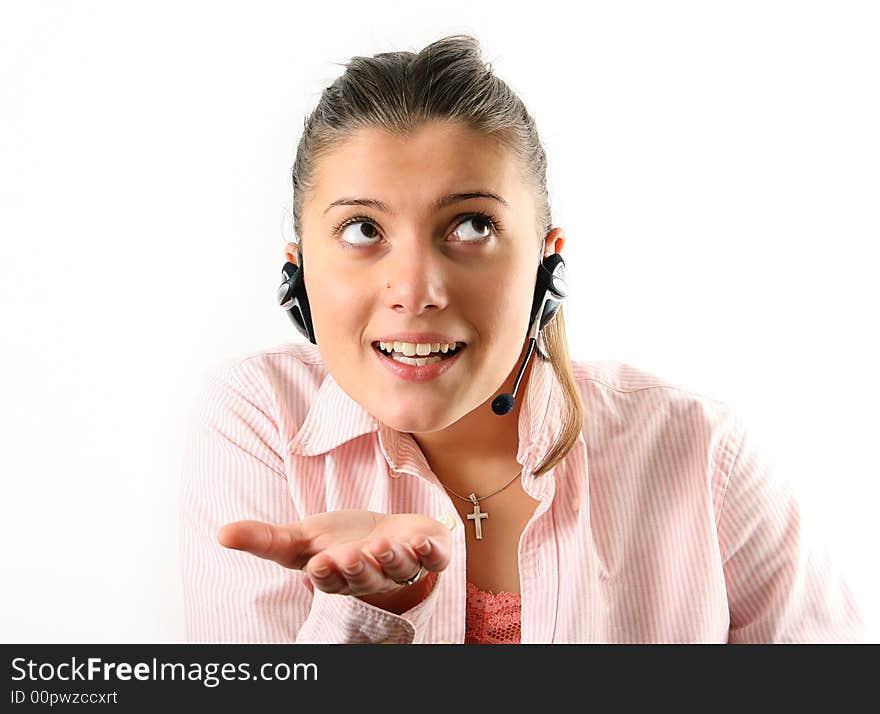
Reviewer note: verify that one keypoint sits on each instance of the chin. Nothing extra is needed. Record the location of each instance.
(416, 420)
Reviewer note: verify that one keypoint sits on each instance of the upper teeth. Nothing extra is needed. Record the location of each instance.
(417, 348)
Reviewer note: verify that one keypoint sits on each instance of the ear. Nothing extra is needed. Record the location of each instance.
(554, 242)
(290, 252)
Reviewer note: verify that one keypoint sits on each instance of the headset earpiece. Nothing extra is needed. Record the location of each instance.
(550, 290)
(293, 299)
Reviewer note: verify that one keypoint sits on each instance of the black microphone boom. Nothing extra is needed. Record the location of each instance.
(503, 403)
(550, 292)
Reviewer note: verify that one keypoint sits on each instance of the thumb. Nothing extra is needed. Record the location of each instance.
(285, 544)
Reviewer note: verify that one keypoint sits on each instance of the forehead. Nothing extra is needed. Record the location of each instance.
(413, 170)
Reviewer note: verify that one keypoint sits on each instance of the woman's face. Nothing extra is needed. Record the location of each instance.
(415, 267)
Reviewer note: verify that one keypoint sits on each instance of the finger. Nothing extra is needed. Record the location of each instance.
(285, 544)
(433, 553)
(362, 572)
(396, 561)
(325, 575)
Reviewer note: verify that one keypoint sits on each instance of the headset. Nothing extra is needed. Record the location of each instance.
(550, 292)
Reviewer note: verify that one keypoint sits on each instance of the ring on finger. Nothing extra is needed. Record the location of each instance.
(413, 578)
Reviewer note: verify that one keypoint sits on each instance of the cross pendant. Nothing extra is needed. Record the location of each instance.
(477, 516)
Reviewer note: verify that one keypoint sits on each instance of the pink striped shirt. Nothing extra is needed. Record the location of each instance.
(662, 525)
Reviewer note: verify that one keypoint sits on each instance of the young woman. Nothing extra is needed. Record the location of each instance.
(368, 486)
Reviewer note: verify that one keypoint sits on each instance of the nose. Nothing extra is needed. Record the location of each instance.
(417, 280)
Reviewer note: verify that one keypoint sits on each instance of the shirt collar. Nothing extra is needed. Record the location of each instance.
(334, 418)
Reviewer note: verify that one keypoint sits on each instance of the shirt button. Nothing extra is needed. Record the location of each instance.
(575, 504)
(394, 473)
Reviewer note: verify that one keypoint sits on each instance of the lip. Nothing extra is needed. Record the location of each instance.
(423, 337)
(413, 373)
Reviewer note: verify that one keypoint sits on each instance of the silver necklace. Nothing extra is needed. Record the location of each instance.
(477, 516)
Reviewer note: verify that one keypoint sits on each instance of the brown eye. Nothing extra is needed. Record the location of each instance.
(481, 225)
(356, 230)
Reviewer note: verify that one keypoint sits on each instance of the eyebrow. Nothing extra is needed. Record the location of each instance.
(441, 202)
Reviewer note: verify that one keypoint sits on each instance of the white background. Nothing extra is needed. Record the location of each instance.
(714, 165)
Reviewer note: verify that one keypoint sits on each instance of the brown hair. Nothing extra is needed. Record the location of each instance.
(447, 80)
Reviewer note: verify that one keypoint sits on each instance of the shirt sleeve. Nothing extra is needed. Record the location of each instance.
(233, 469)
(336, 619)
(782, 584)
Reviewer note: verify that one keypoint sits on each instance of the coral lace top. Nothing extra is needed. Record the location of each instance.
(492, 618)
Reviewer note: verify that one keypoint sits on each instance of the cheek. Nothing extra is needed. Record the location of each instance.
(339, 311)
(505, 317)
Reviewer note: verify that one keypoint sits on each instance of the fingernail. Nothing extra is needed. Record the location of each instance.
(424, 548)
(322, 571)
(385, 557)
(353, 568)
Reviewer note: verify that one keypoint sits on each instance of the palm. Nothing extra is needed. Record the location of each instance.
(337, 539)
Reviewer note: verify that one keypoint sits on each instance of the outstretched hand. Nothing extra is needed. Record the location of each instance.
(350, 552)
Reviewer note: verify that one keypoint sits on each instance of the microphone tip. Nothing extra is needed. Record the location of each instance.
(502, 404)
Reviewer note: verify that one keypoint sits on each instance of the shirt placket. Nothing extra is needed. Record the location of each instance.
(539, 566)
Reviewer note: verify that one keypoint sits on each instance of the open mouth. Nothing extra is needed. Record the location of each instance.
(418, 355)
